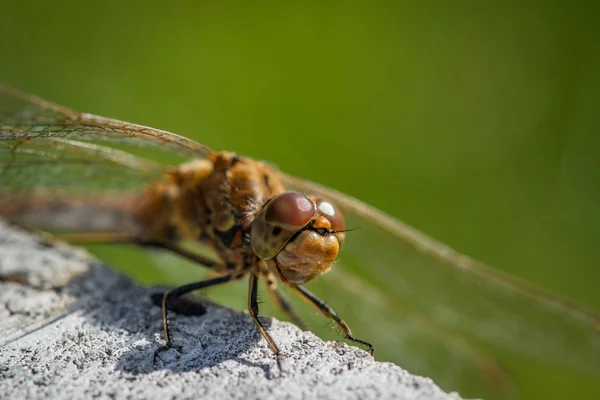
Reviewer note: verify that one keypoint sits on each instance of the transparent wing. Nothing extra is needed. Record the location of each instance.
(23, 116)
(67, 170)
(430, 307)
(47, 147)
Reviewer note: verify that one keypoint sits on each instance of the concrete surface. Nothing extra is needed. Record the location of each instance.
(72, 328)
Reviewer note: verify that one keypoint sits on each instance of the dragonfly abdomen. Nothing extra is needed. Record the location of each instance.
(74, 214)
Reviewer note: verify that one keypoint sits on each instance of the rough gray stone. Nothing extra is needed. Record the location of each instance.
(73, 328)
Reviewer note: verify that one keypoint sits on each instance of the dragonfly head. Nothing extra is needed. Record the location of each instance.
(297, 236)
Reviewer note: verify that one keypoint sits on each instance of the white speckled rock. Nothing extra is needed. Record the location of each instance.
(71, 330)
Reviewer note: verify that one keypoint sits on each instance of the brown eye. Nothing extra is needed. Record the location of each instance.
(332, 213)
(282, 217)
(290, 210)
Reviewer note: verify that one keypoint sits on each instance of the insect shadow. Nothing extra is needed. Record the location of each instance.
(205, 333)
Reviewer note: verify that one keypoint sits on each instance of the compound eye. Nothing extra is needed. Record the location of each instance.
(332, 213)
(290, 210)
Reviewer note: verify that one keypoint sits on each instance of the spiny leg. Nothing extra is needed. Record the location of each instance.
(173, 294)
(123, 238)
(253, 311)
(77, 238)
(328, 311)
(189, 255)
(282, 301)
(96, 238)
(126, 238)
(180, 251)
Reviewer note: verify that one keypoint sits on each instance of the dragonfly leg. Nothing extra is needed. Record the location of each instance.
(253, 311)
(189, 255)
(172, 294)
(328, 311)
(122, 238)
(282, 301)
(95, 237)
(78, 238)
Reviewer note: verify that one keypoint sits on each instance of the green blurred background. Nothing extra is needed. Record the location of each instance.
(475, 122)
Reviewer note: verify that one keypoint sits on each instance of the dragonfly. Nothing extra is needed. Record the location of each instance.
(109, 181)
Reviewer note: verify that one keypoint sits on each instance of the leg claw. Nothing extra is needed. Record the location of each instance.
(164, 348)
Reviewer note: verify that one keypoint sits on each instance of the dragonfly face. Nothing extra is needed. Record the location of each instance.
(299, 237)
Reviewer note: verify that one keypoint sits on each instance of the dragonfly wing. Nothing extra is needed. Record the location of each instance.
(26, 117)
(50, 147)
(53, 158)
(402, 275)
